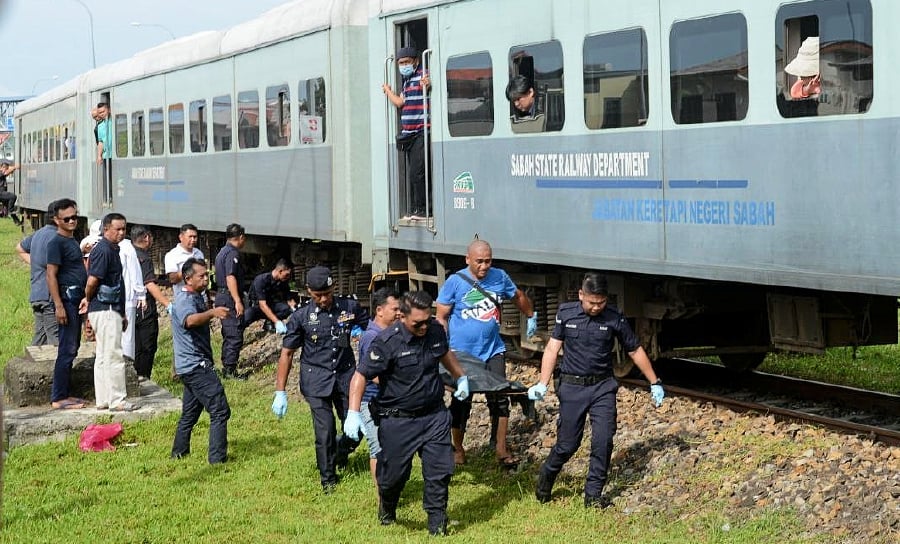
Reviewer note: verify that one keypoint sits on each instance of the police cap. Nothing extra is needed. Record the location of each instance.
(319, 279)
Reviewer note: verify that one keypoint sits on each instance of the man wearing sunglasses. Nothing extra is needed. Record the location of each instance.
(412, 416)
(322, 328)
(66, 277)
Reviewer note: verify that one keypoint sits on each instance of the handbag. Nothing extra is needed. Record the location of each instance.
(109, 295)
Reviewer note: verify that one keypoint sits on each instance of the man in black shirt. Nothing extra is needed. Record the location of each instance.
(269, 295)
(146, 327)
(7, 198)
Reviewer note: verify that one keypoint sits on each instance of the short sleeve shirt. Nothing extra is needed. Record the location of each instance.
(176, 257)
(266, 287)
(149, 276)
(105, 265)
(36, 246)
(191, 345)
(64, 252)
(589, 341)
(407, 367)
(104, 136)
(474, 325)
(228, 263)
(365, 343)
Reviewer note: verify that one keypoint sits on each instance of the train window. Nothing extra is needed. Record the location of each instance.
(278, 115)
(248, 119)
(156, 122)
(45, 146)
(176, 128)
(470, 95)
(222, 123)
(198, 126)
(535, 89)
(64, 145)
(311, 106)
(709, 72)
(823, 58)
(121, 128)
(615, 79)
(137, 134)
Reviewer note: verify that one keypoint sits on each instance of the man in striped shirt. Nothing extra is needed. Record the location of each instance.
(413, 121)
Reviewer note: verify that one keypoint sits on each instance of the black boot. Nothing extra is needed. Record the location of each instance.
(437, 524)
(16, 219)
(600, 502)
(544, 490)
(387, 514)
(231, 373)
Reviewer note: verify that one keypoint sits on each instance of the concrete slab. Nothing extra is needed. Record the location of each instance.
(38, 424)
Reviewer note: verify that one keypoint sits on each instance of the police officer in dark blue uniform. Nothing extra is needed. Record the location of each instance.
(322, 328)
(230, 283)
(589, 329)
(412, 416)
(269, 295)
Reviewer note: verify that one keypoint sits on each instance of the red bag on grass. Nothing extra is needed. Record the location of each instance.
(97, 437)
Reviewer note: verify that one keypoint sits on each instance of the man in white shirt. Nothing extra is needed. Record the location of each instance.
(185, 249)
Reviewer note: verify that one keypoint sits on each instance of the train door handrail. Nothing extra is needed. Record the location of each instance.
(429, 218)
(389, 114)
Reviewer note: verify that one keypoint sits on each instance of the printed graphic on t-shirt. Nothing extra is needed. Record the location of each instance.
(480, 307)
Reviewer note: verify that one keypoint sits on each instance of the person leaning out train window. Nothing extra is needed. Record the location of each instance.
(804, 92)
(527, 116)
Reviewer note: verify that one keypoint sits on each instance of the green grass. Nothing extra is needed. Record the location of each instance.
(269, 491)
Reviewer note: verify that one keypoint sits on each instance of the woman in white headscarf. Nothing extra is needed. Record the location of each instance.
(806, 67)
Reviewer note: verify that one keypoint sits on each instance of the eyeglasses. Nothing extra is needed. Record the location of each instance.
(420, 324)
(70, 219)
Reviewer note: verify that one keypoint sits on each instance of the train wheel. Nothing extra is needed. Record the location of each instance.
(742, 362)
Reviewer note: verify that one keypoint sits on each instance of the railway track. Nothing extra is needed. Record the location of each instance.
(845, 409)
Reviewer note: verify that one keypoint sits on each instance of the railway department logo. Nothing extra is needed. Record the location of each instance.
(464, 183)
(480, 307)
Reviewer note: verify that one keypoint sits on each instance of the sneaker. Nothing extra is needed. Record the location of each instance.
(103, 407)
(124, 407)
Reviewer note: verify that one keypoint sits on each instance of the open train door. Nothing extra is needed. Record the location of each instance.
(412, 202)
(103, 133)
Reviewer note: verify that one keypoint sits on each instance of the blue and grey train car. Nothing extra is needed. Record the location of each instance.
(667, 147)
(253, 125)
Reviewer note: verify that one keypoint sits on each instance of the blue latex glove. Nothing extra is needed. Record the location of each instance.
(658, 394)
(532, 325)
(462, 388)
(279, 405)
(280, 327)
(353, 425)
(537, 391)
(170, 307)
(355, 332)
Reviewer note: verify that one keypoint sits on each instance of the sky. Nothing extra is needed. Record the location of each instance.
(46, 38)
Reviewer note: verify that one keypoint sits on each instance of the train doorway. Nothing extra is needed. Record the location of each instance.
(409, 122)
(104, 142)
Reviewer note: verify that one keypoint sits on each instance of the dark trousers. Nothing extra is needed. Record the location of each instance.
(253, 313)
(46, 328)
(415, 174)
(146, 333)
(498, 405)
(328, 446)
(203, 390)
(232, 332)
(69, 342)
(9, 200)
(402, 438)
(575, 403)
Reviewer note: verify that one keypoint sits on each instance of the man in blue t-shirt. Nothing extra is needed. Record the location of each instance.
(386, 310)
(469, 308)
(33, 250)
(194, 364)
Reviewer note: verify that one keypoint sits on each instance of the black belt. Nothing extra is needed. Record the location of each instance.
(591, 379)
(396, 412)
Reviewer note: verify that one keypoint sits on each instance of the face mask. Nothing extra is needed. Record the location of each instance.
(407, 70)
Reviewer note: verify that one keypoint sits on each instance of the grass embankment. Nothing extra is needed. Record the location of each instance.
(268, 492)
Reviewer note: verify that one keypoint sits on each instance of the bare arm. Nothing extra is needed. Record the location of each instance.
(639, 356)
(202, 318)
(174, 277)
(396, 99)
(357, 388)
(548, 361)
(264, 307)
(157, 293)
(232, 284)
(284, 368)
(53, 287)
(24, 255)
(443, 315)
(523, 303)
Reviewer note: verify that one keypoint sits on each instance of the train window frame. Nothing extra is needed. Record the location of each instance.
(278, 115)
(845, 82)
(45, 145)
(611, 113)
(312, 98)
(463, 122)
(222, 104)
(548, 111)
(198, 125)
(175, 128)
(728, 106)
(120, 128)
(248, 134)
(138, 134)
(156, 127)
